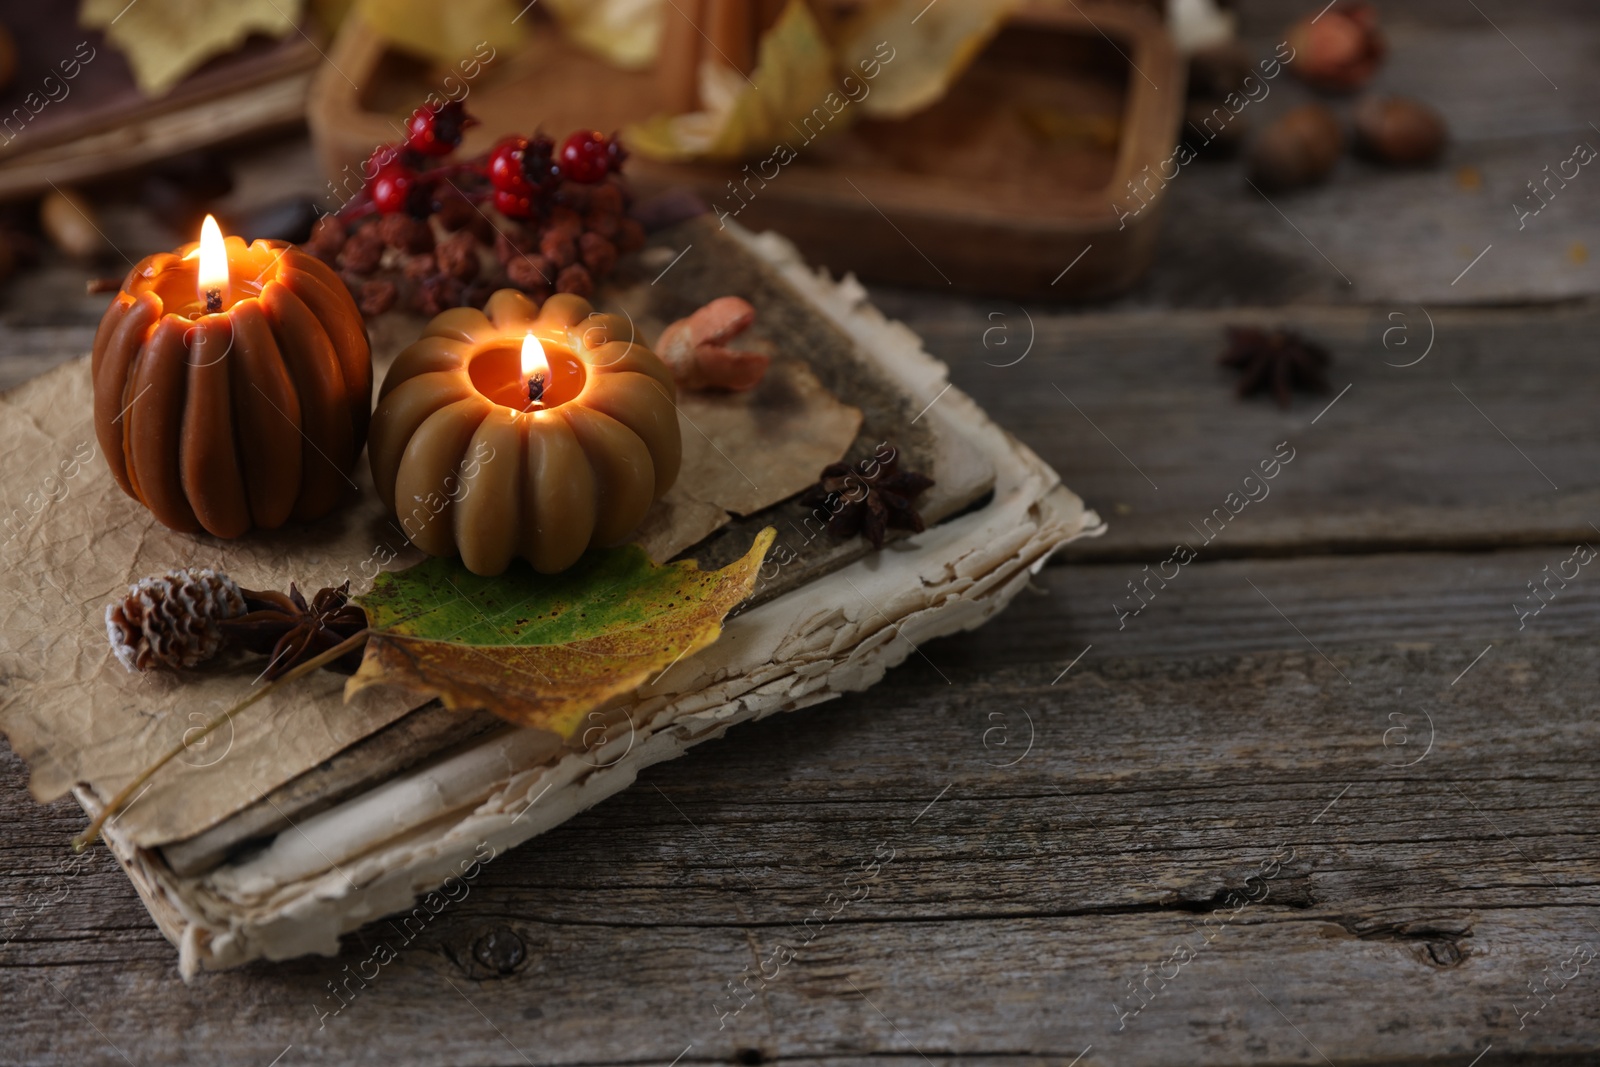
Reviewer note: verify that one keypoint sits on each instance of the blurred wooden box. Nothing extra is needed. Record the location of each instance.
(60, 129)
(1000, 187)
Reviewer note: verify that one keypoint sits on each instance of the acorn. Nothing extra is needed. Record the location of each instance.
(1339, 49)
(1399, 131)
(1297, 150)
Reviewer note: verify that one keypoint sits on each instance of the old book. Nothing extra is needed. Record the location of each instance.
(320, 845)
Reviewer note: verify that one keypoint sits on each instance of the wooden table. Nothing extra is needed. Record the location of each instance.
(1328, 796)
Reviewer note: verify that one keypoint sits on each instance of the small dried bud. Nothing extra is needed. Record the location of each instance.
(1399, 130)
(607, 198)
(513, 242)
(573, 196)
(530, 273)
(1339, 49)
(631, 235)
(327, 237)
(376, 296)
(363, 251)
(1297, 150)
(401, 231)
(576, 280)
(599, 254)
(419, 267)
(436, 294)
(564, 220)
(559, 248)
(458, 256)
(602, 223)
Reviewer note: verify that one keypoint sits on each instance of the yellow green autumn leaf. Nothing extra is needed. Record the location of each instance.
(164, 40)
(544, 650)
(794, 76)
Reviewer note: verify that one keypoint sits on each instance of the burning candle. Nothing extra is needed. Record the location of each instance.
(524, 432)
(232, 385)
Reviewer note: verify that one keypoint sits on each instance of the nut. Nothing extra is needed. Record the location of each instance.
(1297, 150)
(1338, 50)
(69, 222)
(1399, 130)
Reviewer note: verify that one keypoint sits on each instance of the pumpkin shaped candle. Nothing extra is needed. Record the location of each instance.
(232, 385)
(520, 431)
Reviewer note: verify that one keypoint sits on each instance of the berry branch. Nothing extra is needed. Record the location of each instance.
(429, 229)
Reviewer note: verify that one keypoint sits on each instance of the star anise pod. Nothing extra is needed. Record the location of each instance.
(291, 631)
(870, 498)
(1279, 360)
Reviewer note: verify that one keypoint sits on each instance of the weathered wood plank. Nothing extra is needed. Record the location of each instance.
(1142, 423)
(1403, 460)
(1021, 901)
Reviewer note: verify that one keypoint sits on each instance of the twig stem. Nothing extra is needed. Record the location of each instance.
(87, 838)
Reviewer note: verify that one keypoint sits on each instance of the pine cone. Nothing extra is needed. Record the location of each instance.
(174, 621)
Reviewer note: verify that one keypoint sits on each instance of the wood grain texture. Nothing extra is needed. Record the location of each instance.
(1168, 762)
(1020, 901)
(1487, 441)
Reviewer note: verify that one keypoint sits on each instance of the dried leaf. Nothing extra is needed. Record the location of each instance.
(448, 33)
(165, 40)
(543, 651)
(933, 46)
(626, 33)
(793, 77)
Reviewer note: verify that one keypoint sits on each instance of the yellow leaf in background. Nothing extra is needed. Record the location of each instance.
(626, 33)
(933, 45)
(164, 40)
(447, 31)
(793, 81)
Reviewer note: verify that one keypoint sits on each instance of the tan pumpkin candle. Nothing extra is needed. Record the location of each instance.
(232, 385)
(524, 432)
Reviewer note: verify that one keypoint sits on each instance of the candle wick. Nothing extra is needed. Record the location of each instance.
(536, 387)
(213, 301)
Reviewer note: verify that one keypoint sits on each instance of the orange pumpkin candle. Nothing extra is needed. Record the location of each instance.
(232, 385)
(524, 432)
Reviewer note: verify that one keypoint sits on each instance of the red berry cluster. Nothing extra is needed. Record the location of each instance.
(521, 170)
(430, 233)
(524, 170)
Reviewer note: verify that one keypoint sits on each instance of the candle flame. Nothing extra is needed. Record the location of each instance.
(534, 362)
(213, 265)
